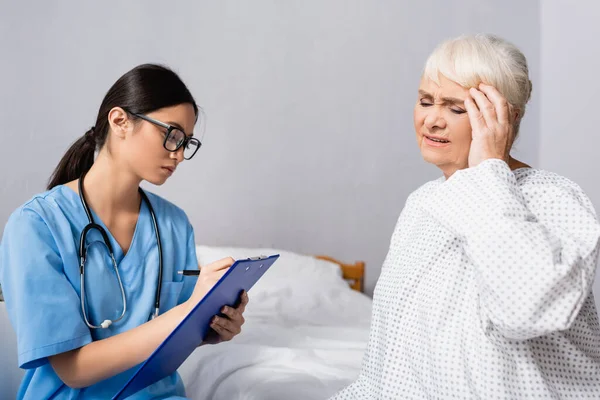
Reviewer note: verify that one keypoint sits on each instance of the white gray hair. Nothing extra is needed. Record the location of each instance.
(470, 60)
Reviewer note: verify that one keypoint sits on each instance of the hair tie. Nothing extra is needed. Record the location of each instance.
(89, 135)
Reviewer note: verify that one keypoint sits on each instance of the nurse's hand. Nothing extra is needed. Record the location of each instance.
(209, 276)
(226, 327)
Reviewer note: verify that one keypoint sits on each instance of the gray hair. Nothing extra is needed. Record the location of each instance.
(470, 60)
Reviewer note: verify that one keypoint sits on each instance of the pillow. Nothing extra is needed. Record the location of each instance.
(295, 284)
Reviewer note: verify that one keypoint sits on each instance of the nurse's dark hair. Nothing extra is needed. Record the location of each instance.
(145, 88)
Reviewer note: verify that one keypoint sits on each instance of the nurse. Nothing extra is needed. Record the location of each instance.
(86, 313)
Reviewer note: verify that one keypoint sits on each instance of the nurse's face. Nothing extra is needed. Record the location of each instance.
(442, 125)
(145, 154)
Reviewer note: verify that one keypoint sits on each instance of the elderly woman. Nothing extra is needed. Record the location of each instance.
(486, 289)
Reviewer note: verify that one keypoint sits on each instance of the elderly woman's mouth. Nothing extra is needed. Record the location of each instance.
(435, 141)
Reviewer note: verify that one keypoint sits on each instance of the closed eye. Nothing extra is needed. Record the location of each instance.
(457, 110)
(425, 103)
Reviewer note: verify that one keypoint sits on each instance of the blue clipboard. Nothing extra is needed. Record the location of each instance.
(190, 332)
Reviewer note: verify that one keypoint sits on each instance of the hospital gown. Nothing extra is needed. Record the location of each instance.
(485, 292)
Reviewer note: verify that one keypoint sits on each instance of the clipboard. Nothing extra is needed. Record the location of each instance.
(190, 332)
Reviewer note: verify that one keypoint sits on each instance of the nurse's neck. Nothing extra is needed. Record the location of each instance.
(109, 189)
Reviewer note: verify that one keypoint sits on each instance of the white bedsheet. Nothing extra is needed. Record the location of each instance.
(303, 349)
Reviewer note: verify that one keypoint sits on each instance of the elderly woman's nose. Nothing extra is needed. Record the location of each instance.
(433, 119)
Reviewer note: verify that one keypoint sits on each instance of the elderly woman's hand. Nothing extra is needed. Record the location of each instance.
(227, 327)
(492, 124)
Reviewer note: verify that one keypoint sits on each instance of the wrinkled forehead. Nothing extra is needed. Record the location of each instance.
(442, 87)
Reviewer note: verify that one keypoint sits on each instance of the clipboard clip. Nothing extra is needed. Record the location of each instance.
(261, 257)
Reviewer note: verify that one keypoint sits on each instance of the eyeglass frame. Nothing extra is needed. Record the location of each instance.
(171, 128)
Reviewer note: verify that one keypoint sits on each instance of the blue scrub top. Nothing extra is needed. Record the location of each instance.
(39, 274)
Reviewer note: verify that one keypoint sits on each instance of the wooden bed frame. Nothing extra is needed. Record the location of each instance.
(353, 273)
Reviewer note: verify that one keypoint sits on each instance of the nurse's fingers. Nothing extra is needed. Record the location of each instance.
(233, 327)
(224, 334)
(220, 264)
(225, 328)
(209, 278)
(234, 314)
(206, 281)
(244, 297)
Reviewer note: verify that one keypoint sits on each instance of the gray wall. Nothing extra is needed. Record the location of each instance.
(570, 84)
(309, 144)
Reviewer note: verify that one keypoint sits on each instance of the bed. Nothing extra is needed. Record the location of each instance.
(306, 330)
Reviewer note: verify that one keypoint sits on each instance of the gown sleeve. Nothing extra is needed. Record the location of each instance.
(534, 246)
(43, 306)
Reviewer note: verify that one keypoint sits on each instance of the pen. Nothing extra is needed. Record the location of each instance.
(196, 272)
(189, 272)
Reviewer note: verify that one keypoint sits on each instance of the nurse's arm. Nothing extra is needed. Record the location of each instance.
(108, 357)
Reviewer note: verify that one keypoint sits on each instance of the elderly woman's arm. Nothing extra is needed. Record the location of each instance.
(534, 247)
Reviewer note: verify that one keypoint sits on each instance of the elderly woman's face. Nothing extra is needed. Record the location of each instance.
(442, 124)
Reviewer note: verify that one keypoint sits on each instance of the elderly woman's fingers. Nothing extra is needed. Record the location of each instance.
(475, 116)
(486, 108)
(500, 104)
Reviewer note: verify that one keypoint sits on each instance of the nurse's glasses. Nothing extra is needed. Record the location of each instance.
(175, 138)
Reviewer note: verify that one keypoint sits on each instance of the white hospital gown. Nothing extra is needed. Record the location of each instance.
(486, 292)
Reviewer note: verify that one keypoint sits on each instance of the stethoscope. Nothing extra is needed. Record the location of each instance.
(82, 258)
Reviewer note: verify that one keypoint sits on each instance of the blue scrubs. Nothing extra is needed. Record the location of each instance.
(39, 274)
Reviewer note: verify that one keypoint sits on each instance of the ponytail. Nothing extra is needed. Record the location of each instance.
(76, 161)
